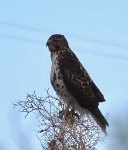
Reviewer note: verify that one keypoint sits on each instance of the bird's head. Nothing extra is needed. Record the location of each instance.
(57, 42)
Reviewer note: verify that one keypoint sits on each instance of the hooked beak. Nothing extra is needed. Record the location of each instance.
(48, 43)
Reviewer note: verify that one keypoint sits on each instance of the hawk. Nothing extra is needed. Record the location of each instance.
(72, 82)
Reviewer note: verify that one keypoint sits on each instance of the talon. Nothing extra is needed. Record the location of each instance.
(75, 114)
(63, 113)
(70, 116)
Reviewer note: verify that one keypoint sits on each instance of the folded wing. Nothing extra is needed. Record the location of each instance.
(78, 82)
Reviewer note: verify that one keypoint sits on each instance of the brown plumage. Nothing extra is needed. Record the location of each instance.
(72, 82)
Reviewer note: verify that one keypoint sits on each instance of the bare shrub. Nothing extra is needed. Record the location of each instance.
(56, 132)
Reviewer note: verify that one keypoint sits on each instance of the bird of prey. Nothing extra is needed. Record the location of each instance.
(72, 82)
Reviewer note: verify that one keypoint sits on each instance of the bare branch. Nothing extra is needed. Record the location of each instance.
(60, 133)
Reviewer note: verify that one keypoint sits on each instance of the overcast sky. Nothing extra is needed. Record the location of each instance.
(97, 32)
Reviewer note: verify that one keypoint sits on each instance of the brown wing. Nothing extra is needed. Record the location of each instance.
(78, 81)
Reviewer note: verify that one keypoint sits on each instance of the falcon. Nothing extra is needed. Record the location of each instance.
(72, 82)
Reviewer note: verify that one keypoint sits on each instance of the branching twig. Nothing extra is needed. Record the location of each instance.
(56, 133)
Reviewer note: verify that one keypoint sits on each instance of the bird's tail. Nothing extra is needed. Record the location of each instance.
(99, 118)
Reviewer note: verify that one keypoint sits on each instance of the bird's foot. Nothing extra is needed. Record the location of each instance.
(70, 116)
(63, 113)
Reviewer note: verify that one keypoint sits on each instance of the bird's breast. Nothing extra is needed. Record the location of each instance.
(59, 85)
(56, 76)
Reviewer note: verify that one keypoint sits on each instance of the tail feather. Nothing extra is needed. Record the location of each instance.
(99, 118)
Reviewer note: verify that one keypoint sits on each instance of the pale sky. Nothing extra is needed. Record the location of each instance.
(97, 32)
